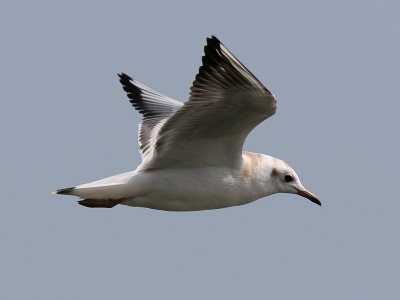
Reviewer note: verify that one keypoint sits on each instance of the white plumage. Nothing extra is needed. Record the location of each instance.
(192, 157)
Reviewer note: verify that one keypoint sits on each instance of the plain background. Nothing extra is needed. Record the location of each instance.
(64, 120)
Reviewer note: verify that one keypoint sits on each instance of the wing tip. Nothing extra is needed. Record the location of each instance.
(213, 38)
(124, 78)
(130, 87)
(213, 43)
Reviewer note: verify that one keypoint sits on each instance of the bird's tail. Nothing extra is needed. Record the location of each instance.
(87, 200)
(66, 191)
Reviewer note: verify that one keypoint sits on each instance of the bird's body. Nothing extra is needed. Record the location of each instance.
(186, 189)
(192, 156)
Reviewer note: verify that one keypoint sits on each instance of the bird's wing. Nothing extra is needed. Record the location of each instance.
(155, 109)
(226, 102)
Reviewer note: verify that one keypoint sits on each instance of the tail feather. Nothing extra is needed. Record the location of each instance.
(66, 191)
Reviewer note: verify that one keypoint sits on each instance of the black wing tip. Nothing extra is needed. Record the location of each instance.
(124, 78)
(65, 191)
(212, 53)
(213, 39)
(213, 43)
(133, 92)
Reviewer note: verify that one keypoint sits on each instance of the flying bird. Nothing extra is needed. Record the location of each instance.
(192, 152)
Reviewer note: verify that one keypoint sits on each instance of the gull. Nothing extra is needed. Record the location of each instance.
(192, 152)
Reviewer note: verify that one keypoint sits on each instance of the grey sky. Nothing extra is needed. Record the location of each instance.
(64, 120)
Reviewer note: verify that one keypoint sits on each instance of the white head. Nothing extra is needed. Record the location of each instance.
(287, 181)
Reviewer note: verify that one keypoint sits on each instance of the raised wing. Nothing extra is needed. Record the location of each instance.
(226, 102)
(155, 109)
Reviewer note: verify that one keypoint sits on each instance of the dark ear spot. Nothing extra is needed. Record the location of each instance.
(274, 172)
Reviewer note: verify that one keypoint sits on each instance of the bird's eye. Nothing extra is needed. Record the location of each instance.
(288, 178)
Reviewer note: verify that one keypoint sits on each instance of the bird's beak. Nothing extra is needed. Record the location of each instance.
(310, 196)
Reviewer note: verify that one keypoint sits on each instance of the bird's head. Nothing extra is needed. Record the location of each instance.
(287, 181)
